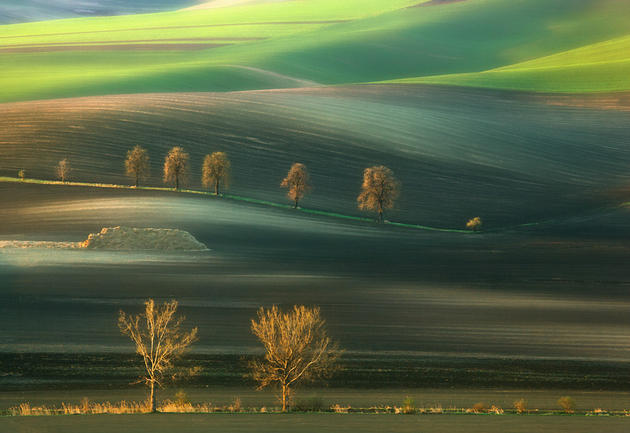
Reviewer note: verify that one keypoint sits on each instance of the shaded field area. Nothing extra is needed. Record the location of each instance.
(381, 289)
(316, 423)
(77, 373)
(508, 157)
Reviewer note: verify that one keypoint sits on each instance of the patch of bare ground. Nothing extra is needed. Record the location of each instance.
(609, 101)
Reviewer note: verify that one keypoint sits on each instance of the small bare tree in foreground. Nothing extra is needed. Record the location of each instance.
(216, 169)
(22, 174)
(137, 164)
(379, 190)
(297, 348)
(63, 170)
(159, 338)
(297, 182)
(176, 166)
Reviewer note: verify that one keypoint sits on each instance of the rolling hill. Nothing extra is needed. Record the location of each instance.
(261, 45)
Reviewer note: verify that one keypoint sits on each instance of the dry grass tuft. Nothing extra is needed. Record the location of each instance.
(520, 406)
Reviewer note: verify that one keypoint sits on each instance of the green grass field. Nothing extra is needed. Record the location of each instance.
(565, 46)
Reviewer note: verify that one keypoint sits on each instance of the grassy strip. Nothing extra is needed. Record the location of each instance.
(235, 198)
(168, 406)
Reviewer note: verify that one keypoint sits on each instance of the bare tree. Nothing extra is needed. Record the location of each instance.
(63, 170)
(297, 348)
(159, 338)
(216, 169)
(176, 166)
(137, 164)
(297, 182)
(379, 190)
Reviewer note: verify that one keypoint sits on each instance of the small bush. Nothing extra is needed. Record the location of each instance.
(313, 404)
(181, 398)
(22, 174)
(236, 405)
(567, 404)
(337, 408)
(495, 410)
(479, 407)
(408, 406)
(474, 224)
(520, 405)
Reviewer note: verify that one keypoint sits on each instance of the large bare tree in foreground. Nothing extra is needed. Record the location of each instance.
(137, 164)
(63, 170)
(297, 182)
(159, 338)
(176, 166)
(216, 169)
(379, 190)
(297, 348)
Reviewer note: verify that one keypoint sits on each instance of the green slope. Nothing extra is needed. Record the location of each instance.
(290, 44)
(598, 67)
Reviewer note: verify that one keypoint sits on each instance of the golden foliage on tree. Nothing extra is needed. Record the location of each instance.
(137, 163)
(159, 339)
(297, 182)
(474, 224)
(63, 170)
(216, 170)
(379, 190)
(176, 166)
(297, 348)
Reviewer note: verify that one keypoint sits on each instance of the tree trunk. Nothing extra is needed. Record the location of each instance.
(176, 182)
(380, 216)
(284, 398)
(136, 180)
(152, 407)
(296, 204)
(216, 187)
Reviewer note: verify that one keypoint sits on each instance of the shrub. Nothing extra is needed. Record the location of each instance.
(22, 174)
(520, 405)
(408, 406)
(181, 398)
(479, 407)
(313, 404)
(474, 224)
(337, 408)
(495, 410)
(236, 405)
(567, 404)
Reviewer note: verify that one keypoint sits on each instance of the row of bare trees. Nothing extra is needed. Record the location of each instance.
(296, 345)
(379, 189)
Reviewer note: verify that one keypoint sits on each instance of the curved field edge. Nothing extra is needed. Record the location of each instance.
(236, 198)
(594, 213)
(601, 67)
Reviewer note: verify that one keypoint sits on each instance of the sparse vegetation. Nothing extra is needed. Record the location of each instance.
(297, 182)
(474, 224)
(297, 349)
(63, 170)
(379, 190)
(520, 405)
(22, 174)
(176, 167)
(137, 164)
(567, 404)
(408, 406)
(159, 338)
(216, 170)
